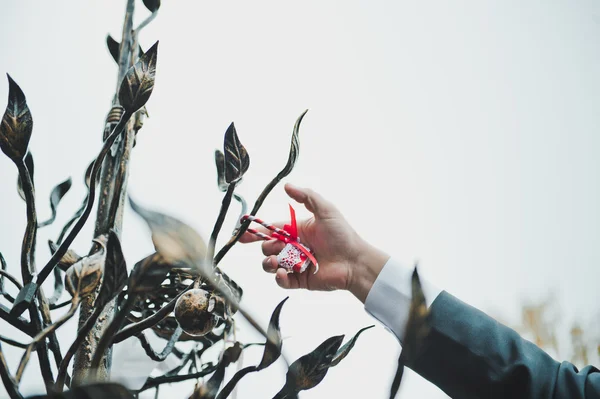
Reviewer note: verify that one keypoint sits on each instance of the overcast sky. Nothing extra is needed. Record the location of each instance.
(461, 134)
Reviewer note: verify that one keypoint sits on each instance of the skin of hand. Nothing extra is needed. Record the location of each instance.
(346, 261)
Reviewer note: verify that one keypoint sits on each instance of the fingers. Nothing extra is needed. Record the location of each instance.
(272, 247)
(282, 277)
(316, 204)
(287, 280)
(249, 237)
(269, 264)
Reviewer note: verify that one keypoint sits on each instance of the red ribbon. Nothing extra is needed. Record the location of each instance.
(292, 230)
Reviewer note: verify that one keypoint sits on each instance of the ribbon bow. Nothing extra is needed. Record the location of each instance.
(288, 235)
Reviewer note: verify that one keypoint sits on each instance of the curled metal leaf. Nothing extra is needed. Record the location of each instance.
(87, 180)
(211, 387)
(237, 160)
(138, 82)
(275, 342)
(83, 277)
(417, 329)
(30, 168)
(152, 5)
(148, 274)
(56, 196)
(113, 48)
(16, 125)
(309, 370)
(160, 356)
(220, 163)
(68, 259)
(174, 240)
(115, 271)
(294, 149)
(418, 326)
(271, 352)
(347, 347)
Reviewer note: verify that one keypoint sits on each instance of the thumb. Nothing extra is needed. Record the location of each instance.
(316, 204)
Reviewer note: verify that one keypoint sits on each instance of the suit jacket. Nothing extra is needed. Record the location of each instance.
(470, 355)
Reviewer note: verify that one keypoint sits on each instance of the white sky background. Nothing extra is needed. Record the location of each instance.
(464, 135)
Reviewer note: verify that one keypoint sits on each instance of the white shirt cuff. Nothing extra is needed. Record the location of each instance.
(389, 299)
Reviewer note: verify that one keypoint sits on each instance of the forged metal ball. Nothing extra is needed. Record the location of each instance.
(193, 312)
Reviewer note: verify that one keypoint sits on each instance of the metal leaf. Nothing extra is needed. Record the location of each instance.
(56, 196)
(16, 125)
(174, 240)
(83, 277)
(68, 259)
(417, 329)
(220, 163)
(275, 342)
(87, 181)
(30, 168)
(347, 347)
(138, 82)
(271, 352)
(418, 326)
(237, 160)
(115, 271)
(148, 274)
(294, 149)
(114, 48)
(309, 370)
(211, 387)
(152, 5)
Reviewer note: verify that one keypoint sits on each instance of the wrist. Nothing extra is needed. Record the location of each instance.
(365, 269)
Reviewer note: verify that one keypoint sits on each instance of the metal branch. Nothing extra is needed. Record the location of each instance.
(110, 331)
(90, 201)
(11, 278)
(81, 335)
(219, 223)
(243, 210)
(150, 321)
(18, 322)
(152, 354)
(41, 336)
(184, 361)
(9, 383)
(43, 349)
(3, 268)
(12, 342)
(28, 270)
(154, 382)
(28, 247)
(235, 238)
(145, 23)
(113, 187)
(60, 305)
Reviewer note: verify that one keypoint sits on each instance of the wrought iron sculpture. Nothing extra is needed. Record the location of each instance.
(178, 291)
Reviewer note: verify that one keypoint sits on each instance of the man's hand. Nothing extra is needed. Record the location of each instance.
(346, 261)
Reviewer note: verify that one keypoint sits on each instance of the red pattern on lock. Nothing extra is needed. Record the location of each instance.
(295, 256)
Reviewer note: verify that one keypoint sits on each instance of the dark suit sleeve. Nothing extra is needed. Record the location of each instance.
(470, 355)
